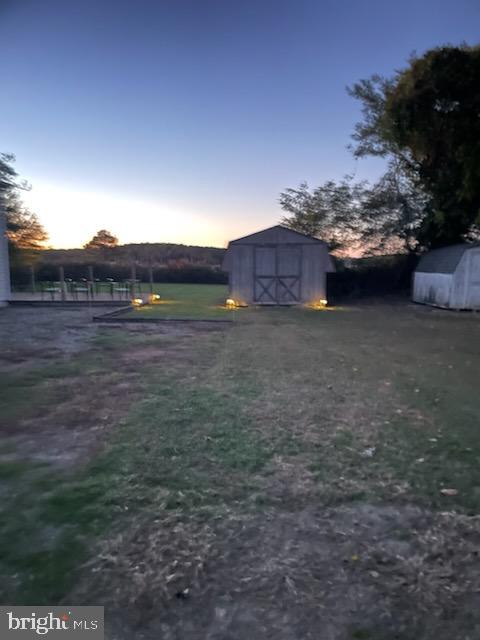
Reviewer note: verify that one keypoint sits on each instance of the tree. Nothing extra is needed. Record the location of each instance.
(393, 213)
(8, 175)
(26, 235)
(103, 239)
(425, 120)
(358, 217)
(331, 212)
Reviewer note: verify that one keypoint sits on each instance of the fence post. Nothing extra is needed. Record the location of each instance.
(90, 281)
(32, 278)
(62, 283)
(150, 277)
(133, 278)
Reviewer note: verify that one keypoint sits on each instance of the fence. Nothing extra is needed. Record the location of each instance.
(26, 278)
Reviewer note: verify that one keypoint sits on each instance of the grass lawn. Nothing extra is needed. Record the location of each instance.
(196, 301)
(283, 476)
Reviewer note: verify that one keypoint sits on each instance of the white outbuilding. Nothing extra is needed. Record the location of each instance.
(449, 277)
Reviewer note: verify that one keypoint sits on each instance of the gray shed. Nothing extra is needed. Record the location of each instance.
(449, 277)
(277, 266)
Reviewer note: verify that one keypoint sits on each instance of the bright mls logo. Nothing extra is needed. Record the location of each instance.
(56, 622)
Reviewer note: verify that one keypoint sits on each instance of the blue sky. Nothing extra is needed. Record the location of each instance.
(182, 120)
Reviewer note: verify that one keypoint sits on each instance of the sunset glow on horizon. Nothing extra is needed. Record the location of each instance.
(130, 220)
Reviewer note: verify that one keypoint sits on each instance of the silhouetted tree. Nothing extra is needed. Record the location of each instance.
(103, 239)
(330, 212)
(426, 121)
(358, 217)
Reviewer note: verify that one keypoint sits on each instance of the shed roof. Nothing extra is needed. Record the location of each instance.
(277, 235)
(443, 260)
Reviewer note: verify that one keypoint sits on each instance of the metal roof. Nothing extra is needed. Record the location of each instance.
(443, 260)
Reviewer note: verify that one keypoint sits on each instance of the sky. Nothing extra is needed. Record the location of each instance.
(183, 120)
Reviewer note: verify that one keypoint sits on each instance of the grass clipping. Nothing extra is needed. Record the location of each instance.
(152, 563)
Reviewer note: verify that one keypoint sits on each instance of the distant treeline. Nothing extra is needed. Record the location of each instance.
(155, 254)
(168, 262)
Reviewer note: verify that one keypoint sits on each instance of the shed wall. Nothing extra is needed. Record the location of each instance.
(473, 296)
(314, 279)
(472, 279)
(241, 273)
(459, 288)
(432, 288)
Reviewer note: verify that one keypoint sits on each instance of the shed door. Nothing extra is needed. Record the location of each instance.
(288, 274)
(265, 275)
(277, 274)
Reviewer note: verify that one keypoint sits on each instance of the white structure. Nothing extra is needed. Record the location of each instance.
(4, 262)
(449, 277)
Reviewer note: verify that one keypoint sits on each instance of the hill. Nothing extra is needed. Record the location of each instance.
(144, 254)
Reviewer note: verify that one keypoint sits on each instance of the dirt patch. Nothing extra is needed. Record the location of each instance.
(352, 572)
(73, 425)
(288, 478)
(33, 336)
(74, 411)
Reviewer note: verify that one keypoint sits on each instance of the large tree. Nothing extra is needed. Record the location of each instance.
(426, 120)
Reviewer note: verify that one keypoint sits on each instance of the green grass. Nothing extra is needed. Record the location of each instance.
(196, 301)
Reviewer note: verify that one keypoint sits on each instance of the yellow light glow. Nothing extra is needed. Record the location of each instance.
(137, 302)
(230, 303)
(154, 297)
(318, 304)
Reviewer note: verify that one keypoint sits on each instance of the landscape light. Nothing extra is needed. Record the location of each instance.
(154, 297)
(318, 304)
(230, 303)
(137, 302)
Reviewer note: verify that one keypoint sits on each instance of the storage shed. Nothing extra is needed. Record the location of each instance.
(277, 266)
(449, 277)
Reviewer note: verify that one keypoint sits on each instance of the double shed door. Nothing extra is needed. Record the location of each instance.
(277, 274)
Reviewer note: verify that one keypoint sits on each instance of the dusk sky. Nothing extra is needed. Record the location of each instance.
(182, 120)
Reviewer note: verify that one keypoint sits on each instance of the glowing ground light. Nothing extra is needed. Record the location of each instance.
(137, 302)
(230, 303)
(319, 304)
(154, 297)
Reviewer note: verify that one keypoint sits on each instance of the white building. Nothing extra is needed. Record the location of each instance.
(449, 277)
